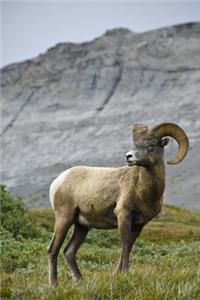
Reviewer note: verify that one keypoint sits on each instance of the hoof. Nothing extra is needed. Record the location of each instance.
(78, 280)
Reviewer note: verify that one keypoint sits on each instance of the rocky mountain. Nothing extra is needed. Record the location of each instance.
(75, 104)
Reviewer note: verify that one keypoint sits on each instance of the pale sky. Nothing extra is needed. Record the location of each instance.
(31, 27)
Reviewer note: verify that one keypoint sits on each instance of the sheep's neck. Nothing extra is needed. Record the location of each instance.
(155, 178)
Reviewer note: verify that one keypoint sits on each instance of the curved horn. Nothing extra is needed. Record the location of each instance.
(173, 130)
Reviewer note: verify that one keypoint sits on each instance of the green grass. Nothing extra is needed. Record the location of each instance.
(164, 262)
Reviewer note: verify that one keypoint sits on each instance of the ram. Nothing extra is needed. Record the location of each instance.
(126, 198)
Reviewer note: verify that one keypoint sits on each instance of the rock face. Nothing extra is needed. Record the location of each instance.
(76, 103)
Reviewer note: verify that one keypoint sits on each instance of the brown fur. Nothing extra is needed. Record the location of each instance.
(125, 198)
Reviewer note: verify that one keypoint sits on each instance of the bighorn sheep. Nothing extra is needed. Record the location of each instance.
(125, 198)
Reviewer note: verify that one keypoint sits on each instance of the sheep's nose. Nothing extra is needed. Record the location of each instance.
(130, 156)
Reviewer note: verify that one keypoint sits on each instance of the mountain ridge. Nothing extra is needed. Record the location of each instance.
(81, 97)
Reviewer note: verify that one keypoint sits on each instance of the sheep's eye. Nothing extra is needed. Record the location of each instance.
(150, 148)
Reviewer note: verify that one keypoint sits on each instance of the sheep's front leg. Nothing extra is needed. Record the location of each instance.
(128, 235)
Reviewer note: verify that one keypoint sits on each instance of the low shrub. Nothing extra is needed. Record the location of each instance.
(14, 217)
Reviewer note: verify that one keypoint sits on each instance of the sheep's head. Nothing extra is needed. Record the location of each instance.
(149, 144)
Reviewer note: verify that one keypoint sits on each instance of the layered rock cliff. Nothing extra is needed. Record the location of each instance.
(75, 104)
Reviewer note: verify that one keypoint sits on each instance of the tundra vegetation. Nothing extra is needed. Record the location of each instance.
(165, 264)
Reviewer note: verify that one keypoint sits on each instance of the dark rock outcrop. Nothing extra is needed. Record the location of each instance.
(75, 104)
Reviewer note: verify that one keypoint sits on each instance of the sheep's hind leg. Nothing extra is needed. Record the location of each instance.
(62, 226)
(78, 236)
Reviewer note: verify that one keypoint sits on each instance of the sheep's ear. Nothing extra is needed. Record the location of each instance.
(164, 142)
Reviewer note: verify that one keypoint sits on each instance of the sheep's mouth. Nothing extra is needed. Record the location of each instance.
(140, 163)
(131, 163)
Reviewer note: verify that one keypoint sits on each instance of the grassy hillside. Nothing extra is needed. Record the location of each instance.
(164, 263)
